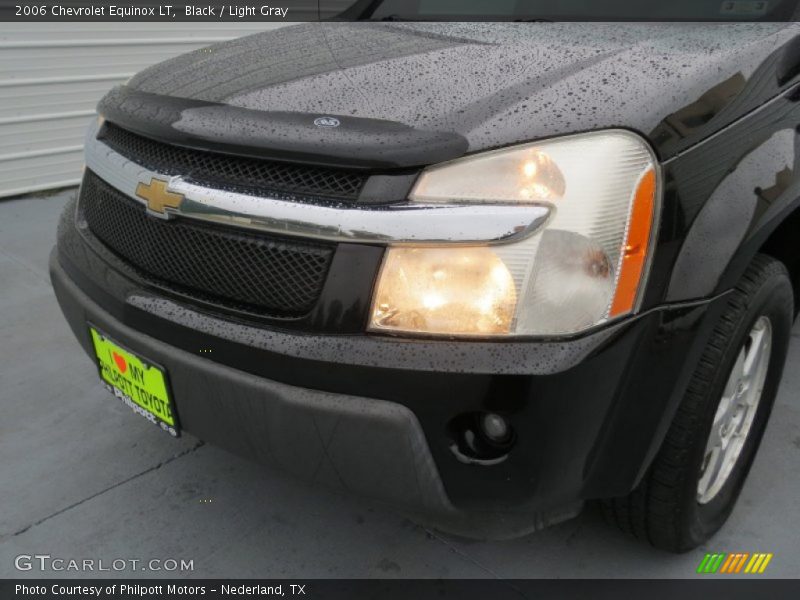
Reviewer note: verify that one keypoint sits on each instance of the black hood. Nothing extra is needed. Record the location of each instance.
(408, 94)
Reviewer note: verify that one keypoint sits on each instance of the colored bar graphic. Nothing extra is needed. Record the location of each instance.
(704, 564)
(756, 558)
(734, 563)
(711, 563)
(718, 562)
(764, 564)
(726, 566)
(741, 562)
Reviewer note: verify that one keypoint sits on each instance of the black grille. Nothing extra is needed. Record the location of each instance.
(233, 172)
(210, 263)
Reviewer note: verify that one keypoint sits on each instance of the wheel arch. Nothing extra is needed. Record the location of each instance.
(778, 237)
(783, 244)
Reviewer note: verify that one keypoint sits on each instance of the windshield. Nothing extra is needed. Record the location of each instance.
(569, 10)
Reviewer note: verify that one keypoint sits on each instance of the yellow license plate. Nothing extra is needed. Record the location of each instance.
(139, 383)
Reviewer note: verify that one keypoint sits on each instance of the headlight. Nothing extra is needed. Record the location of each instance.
(585, 266)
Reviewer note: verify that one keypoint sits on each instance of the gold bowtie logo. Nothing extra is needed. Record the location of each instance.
(158, 197)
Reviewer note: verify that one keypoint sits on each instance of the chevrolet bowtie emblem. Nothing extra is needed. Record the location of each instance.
(158, 197)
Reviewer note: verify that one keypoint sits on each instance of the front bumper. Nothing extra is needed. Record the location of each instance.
(365, 446)
(371, 415)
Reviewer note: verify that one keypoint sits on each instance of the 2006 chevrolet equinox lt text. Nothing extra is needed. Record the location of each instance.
(483, 271)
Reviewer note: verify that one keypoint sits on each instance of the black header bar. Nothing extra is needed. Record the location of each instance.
(392, 10)
(705, 587)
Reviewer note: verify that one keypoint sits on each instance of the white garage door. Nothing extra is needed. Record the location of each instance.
(53, 74)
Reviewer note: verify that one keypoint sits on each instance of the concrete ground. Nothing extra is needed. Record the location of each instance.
(82, 477)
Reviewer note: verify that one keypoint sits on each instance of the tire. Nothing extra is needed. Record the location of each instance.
(672, 508)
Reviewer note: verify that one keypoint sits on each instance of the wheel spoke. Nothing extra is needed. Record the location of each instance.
(711, 471)
(754, 354)
(736, 375)
(757, 372)
(730, 411)
(721, 415)
(714, 439)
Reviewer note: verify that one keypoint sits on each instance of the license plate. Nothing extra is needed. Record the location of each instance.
(138, 382)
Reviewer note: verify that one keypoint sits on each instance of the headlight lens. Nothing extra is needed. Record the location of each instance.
(587, 265)
(436, 290)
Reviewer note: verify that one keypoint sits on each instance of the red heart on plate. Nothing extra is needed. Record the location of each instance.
(121, 364)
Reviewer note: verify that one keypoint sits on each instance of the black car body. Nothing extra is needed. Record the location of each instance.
(291, 376)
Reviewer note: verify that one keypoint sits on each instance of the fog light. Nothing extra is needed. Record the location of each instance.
(480, 438)
(495, 428)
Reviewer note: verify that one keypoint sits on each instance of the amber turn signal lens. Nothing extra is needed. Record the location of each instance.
(634, 253)
(452, 291)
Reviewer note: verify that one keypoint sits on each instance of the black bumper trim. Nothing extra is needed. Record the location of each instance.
(370, 447)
